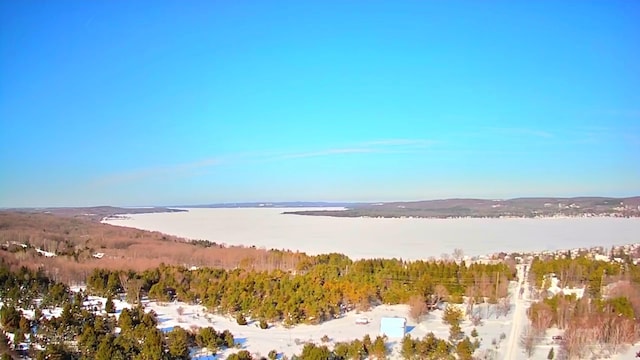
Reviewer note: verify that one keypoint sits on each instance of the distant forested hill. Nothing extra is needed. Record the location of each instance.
(95, 213)
(520, 207)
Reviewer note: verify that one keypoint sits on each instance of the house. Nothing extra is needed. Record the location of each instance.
(393, 327)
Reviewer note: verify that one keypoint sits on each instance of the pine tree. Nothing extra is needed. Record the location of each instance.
(273, 355)
(229, 341)
(125, 321)
(208, 337)
(153, 346)
(452, 315)
(241, 320)
(88, 340)
(5, 346)
(379, 350)
(110, 307)
(312, 352)
(66, 318)
(10, 318)
(408, 350)
(113, 284)
(241, 355)
(178, 340)
(105, 349)
(465, 349)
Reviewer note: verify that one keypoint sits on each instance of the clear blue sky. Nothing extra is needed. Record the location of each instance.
(160, 103)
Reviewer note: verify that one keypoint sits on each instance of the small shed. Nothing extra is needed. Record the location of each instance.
(393, 327)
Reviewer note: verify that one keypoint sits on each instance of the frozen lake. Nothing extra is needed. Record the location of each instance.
(385, 238)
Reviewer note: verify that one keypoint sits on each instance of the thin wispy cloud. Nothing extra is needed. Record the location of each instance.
(366, 147)
(400, 142)
(515, 131)
(157, 171)
(386, 146)
(327, 152)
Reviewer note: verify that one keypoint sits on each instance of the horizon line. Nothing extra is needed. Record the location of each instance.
(346, 202)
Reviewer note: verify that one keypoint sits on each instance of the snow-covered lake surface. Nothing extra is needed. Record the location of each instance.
(407, 238)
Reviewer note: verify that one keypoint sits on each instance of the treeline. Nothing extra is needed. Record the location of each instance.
(560, 310)
(322, 288)
(429, 347)
(81, 331)
(598, 323)
(583, 272)
(356, 349)
(591, 326)
(23, 286)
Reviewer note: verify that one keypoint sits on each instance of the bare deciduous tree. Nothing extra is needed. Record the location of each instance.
(618, 332)
(417, 307)
(124, 279)
(133, 290)
(476, 319)
(563, 312)
(470, 293)
(502, 287)
(441, 293)
(575, 341)
(541, 316)
(504, 305)
(528, 340)
(458, 254)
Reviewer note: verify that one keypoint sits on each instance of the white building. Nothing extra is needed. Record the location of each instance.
(393, 327)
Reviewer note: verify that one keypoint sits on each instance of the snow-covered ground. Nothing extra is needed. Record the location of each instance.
(290, 341)
(519, 322)
(406, 238)
(499, 335)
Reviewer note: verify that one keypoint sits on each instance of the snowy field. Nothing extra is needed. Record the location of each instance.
(498, 334)
(290, 341)
(406, 238)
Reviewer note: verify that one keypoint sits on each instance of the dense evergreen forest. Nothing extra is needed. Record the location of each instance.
(318, 289)
(81, 332)
(322, 287)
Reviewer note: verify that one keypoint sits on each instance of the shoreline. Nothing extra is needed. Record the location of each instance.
(403, 238)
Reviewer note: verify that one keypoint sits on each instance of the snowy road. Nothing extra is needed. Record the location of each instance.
(519, 314)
